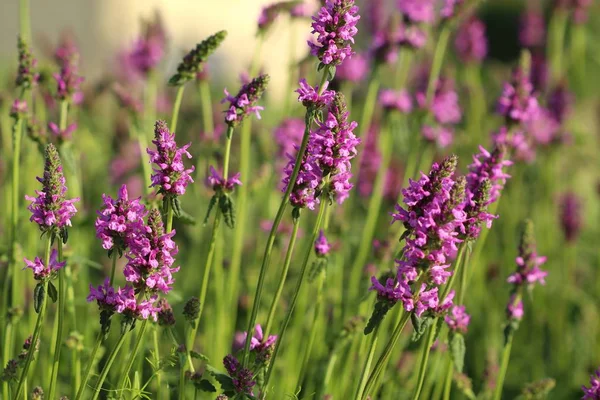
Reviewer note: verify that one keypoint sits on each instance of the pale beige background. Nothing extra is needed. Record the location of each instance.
(104, 26)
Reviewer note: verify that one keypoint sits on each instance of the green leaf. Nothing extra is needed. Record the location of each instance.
(198, 356)
(186, 218)
(223, 379)
(211, 204)
(420, 326)
(379, 312)
(176, 205)
(457, 350)
(52, 292)
(38, 297)
(205, 386)
(330, 73)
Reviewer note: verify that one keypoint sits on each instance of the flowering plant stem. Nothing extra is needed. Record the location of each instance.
(369, 105)
(288, 316)
(38, 325)
(365, 372)
(143, 145)
(556, 42)
(282, 278)
(503, 366)
(88, 369)
(132, 356)
(61, 319)
(108, 365)
(438, 59)
(176, 107)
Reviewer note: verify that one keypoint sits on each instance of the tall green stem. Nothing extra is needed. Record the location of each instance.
(88, 369)
(503, 366)
(107, 366)
(288, 316)
(169, 225)
(38, 326)
(24, 20)
(365, 372)
(369, 104)
(132, 356)
(282, 278)
(438, 60)
(424, 358)
(556, 42)
(176, 107)
(61, 319)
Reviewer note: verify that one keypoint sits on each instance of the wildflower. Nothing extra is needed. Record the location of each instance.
(18, 109)
(457, 319)
(528, 270)
(194, 61)
(593, 392)
(444, 106)
(120, 221)
(242, 377)
(68, 83)
(417, 10)
(219, 183)
(244, 103)
(442, 136)
(490, 166)
(43, 272)
(50, 209)
(471, 41)
(532, 29)
(127, 100)
(309, 96)
(518, 102)
(62, 134)
(309, 178)
(335, 26)
(570, 216)
(165, 314)
(559, 103)
(26, 77)
(191, 309)
(353, 69)
(147, 51)
(450, 8)
(170, 175)
(257, 342)
(322, 246)
(123, 301)
(396, 100)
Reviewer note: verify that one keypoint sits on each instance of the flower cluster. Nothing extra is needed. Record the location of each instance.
(193, 62)
(570, 216)
(170, 175)
(532, 31)
(62, 134)
(26, 77)
(314, 97)
(451, 8)
(43, 272)
(18, 109)
(242, 377)
(335, 26)
(11, 370)
(490, 166)
(123, 301)
(120, 221)
(322, 246)
(444, 108)
(527, 274)
(258, 343)
(244, 103)
(304, 191)
(593, 392)
(432, 217)
(68, 80)
(471, 42)
(271, 12)
(50, 209)
(218, 183)
(518, 102)
(418, 10)
(457, 319)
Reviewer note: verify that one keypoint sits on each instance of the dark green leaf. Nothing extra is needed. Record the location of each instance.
(38, 297)
(330, 73)
(205, 386)
(223, 379)
(186, 218)
(52, 292)
(211, 204)
(420, 326)
(457, 350)
(176, 205)
(198, 356)
(381, 308)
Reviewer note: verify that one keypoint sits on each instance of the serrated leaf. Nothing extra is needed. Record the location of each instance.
(211, 204)
(38, 296)
(52, 292)
(186, 218)
(379, 311)
(205, 386)
(420, 326)
(224, 380)
(227, 209)
(457, 350)
(176, 205)
(198, 356)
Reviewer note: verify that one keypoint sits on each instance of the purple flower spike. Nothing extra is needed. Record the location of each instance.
(310, 96)
(18, 109)
(43, 272)
(471, 41)
(532, 29)
(257, 343)
(123, 301)
(242, 377)
(170, 175)
(26, 77)
(244, 103)
(458, 320)
(309, 179)
(518, 102)
(335, 26)
(442, 136)
(491, 166)
(288, 135)
(50, 209)
(121, 221)
(593, 392)
(218, 183)
(322, 246)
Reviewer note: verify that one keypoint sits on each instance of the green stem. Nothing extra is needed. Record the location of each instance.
(503, 366)
(61, 320)
(24, 25)
(448, 381)
(329, 371)
(369, 104)
(282, 278)
(76, 361)
(176, 107)
(107, 366)
(156, 361)
(424, 359)
(169, 225)
(558, 27)
(88, 369)
(8, 334)
(206, 104)
(273, 233)
(365, 372)
(292, 306)
(38, 326)
(136, 348)
(387, 352)
(227, 152)
(113, 268)
(438, 60)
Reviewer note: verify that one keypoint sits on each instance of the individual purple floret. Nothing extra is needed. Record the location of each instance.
(120, 221)
(242, 378)
(417, 10)
(491, 166)
(257, 342)
(151, 257)
(123, 301)
(593, 392)
(322, 246)
(458, 320)
(528, 271)
(309, 96)
(354, 69)
(43, 272)
(244, 103)
(514, 309)
(518, 102)
(50, 209)
(335, 26)
(396, 100)
(309, 179)
(333, 146)
(570, 216)
(218, 183)
(170, 175)
(62, 134)
(471, 41)
(532, 31)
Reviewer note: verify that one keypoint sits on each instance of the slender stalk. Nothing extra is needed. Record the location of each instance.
(176, 107)
(227, 152)
(145, 159)
(113, 268)
(329, 371)
(24, 20)
(76, 362)
(369, 104)
(365, 372)
(169, 225)
(208, 123)
(88, 369)
(448, 380)
(556, 42)
(288, 316)
(159, 387)
(108, 365)
(133, 354)
(503, 366)
(8, 333)
(61, 319)
(383, 359)
(282, 278)
(438, 60)
(424, 358)
(38, 326)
